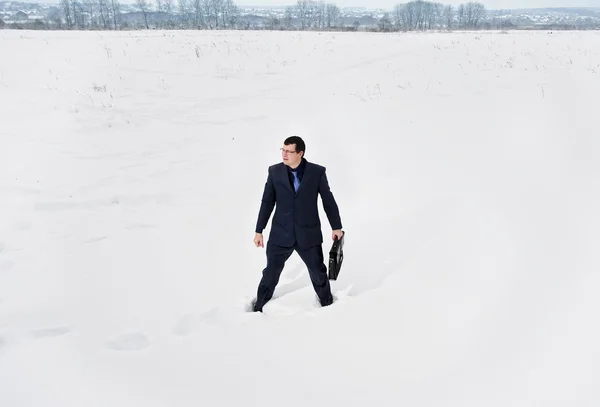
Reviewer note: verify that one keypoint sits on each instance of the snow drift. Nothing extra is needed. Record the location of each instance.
(465, 166)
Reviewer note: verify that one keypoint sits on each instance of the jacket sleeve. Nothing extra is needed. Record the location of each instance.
(267, 204)
(329, 204)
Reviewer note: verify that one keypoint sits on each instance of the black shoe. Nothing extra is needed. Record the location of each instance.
(251, 307)
(255, 307)
(328, 302)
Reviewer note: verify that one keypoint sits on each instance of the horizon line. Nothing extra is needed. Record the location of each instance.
(368, 8)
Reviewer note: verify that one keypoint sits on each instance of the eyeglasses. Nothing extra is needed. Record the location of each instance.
(288, 151)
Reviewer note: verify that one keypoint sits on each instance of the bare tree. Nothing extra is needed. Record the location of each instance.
(319, 13)
(398, 17)
(185, 13)
(213, 11)
(310, 13)
(89, 7)
(332, 15)
(289, 16)
(77, 16)
(470, 15)
(168, 9)
(158, 17)
(116, 12)
(231, 14)
(104, 11)
(428, 11)
(477, 13)
(449, 17)
(66, 7)
(462, 16)
(438, 14)
(385, 23)
(412, 15)
(303, 10)
(273, 22)
(144, 8)
(422, 15)
(197, 8)
(421, 10)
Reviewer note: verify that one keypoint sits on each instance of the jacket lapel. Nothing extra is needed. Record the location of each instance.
(285, 178)
(308, 173)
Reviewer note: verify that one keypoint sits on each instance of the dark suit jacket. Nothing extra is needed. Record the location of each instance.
(296, 219)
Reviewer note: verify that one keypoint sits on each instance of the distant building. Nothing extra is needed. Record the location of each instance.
(20, 17)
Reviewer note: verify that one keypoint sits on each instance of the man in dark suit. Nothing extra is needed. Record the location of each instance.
(294, 186)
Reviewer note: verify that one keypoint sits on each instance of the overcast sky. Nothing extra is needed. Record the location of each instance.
(495, 4)
(389, 4)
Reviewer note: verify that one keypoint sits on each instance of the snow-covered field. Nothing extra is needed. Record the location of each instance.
(465, 165)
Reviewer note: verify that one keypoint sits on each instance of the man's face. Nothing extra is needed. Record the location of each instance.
(290, 156)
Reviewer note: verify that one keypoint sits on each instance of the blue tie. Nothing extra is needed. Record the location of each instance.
(296, 181)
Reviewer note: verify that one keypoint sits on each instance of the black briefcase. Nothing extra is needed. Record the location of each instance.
(336, 256)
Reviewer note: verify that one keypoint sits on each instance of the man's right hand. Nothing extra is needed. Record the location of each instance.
(258, 240)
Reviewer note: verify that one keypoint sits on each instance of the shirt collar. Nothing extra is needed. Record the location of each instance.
(299, 168)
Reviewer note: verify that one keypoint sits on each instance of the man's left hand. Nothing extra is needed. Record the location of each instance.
(336, 233)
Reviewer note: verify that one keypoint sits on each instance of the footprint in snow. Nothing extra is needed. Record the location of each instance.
(190, 323)
(50, 332)
(95, 239)
(135, 226)
(5, 265)
(129, 342)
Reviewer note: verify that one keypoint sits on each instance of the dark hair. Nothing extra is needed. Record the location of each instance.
(300, 146)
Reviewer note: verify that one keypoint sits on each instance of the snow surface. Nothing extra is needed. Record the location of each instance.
(466, 170)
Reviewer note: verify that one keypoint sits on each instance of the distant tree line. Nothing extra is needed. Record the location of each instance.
(310, 15)
(98, 14)
(171, 14)
(424, 15)
(417, 15)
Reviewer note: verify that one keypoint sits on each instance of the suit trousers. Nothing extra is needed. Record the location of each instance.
(276, 258)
